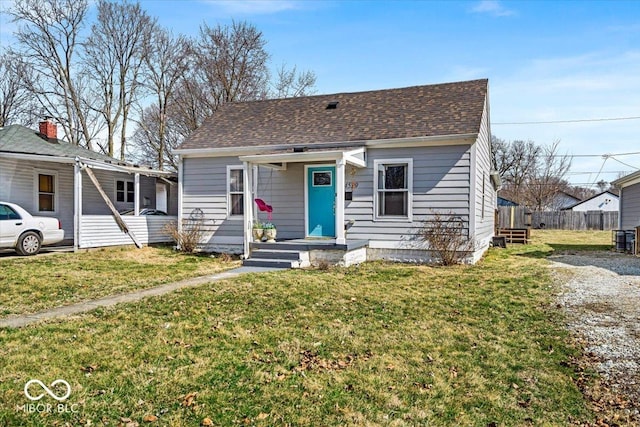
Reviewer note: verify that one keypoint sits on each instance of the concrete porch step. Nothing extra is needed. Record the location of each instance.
(271, 263)
(277, 258)
(277, 254)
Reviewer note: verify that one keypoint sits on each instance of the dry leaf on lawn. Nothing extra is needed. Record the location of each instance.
(189, 399)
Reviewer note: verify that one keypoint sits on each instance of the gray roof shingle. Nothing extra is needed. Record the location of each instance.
(431, 110)
(22, 140)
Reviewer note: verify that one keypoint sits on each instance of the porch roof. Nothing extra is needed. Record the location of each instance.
(351, 155)
(20, 142)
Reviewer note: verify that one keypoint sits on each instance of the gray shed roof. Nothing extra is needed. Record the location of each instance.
(417, 111)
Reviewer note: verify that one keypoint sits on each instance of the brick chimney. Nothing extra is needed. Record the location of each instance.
(48, 129)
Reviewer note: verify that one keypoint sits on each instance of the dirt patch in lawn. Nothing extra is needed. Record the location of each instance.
(601, 298)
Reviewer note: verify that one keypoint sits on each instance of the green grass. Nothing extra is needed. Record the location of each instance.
(376, 344)
(563, 240)
(32, 284)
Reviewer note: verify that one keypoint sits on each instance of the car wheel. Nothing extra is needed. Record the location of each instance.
(29, 243)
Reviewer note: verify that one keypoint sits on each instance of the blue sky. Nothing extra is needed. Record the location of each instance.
(545, 60)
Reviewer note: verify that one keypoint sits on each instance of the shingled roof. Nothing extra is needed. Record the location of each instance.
(22, 140)
(432, 110)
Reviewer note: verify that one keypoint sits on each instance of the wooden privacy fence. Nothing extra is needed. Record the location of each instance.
(514, 217)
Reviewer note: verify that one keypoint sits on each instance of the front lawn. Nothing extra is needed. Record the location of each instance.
(376, 344)
(30, 284)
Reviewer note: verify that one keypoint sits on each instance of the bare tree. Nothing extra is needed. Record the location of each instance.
(232, 61)
(532, 175)
(146, 140)
(17, 104)
(115, 52)
(228, 63)
(290, 83)
(166, 62)
(47, 40)
(547, 181)
(516, 162)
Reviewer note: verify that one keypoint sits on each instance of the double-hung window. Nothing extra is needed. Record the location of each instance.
(235, 190)
(393, 189)
(125, 192)
(45, 189)
(46, 192)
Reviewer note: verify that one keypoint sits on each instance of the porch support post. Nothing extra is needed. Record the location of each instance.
(136, 194)
(77, 204)
(254, 189)
(247, 172)
(180, 190)
(340, 183)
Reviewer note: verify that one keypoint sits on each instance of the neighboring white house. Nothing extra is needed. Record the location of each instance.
(606, 201)
(50, 177)
(355, 172)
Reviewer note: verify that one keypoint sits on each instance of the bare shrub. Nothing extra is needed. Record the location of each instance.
(225, 257)
(447, 237)
(187, 238)
(323, 266)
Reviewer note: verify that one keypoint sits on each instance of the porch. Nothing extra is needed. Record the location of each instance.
(300, 253)
(308, 204)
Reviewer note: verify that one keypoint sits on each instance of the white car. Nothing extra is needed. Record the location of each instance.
(27, 233)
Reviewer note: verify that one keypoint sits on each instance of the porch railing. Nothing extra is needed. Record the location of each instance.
(102, 230)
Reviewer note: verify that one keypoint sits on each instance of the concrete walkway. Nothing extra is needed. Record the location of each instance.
(83, 307)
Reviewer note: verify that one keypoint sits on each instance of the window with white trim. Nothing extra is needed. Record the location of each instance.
(46, 184)
(393, 188)
(125, 191)
(235, 190)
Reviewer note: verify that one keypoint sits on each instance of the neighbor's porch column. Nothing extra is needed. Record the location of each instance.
(247, 178)
(136, 194)
(77, 203)
(340, 183)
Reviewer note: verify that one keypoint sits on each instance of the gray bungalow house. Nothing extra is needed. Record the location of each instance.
(344, 177)
(50, 177)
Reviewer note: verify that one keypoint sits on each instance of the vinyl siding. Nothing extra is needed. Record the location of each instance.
(204, 188)
(18, 185)
(92, 203)
(284, 191)
(440, 184)
(484, 220)
(630, 207)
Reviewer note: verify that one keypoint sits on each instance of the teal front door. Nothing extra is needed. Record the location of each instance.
(321, 196)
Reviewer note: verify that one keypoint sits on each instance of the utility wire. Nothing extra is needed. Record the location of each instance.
(568, 121)
(626, 164)
(596, 155)
(601, 167)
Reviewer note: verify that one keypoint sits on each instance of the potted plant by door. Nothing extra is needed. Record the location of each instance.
(258, 231)
(270, 232)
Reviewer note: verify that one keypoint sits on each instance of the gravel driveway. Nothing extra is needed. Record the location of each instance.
(601, 297)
